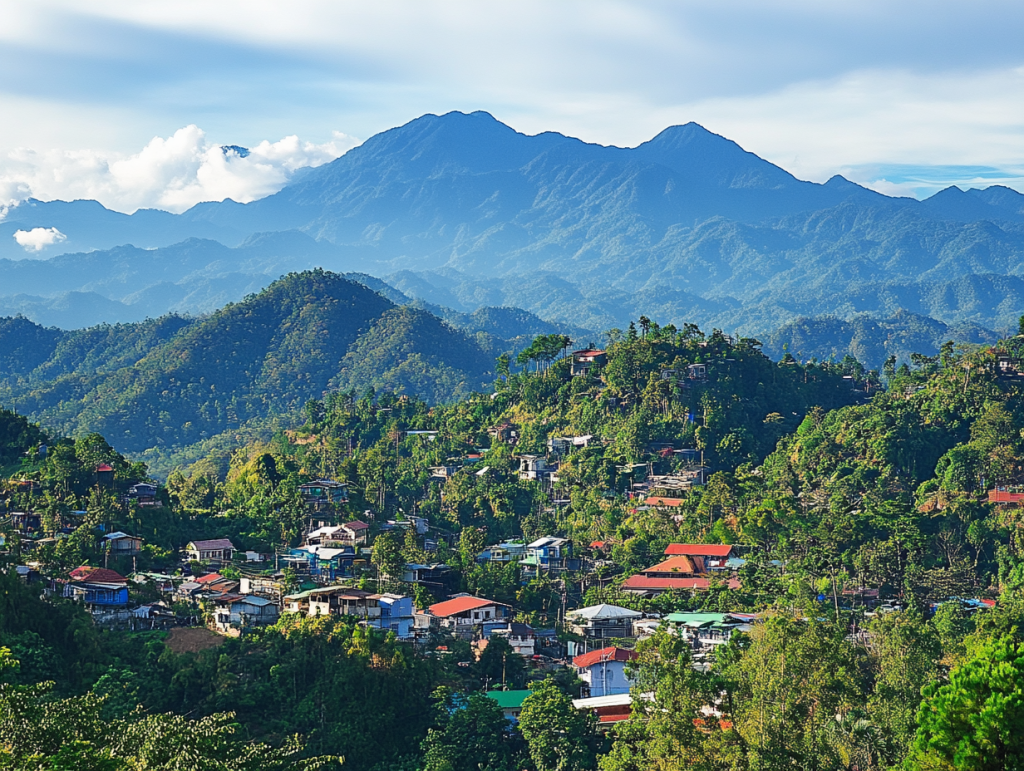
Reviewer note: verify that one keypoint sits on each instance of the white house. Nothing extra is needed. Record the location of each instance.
(604, 670)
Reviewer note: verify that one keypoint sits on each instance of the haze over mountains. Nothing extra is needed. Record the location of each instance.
(460, 211)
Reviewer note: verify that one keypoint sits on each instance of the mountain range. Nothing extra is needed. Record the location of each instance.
(461, 211)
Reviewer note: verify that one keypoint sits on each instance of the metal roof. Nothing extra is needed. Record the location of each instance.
(604, 612)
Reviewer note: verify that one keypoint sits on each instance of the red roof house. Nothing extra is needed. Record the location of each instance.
(97, 575)
(719, 550)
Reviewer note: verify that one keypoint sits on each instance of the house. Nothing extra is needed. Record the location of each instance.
(651, 586)
(609, 710)
(217, 550)
(506, 433)
(697, 372)
(549, 554)
(233, 613)
(601, 622)
(716, 556)
(534, 467)
(444, 472)
(562, 446)
(520, 637)
(706, 629)
(355, 532)
(321, 493)
(336, 601)
(397, 615)
(272, 586)
(604, 670)
(462, 614)
(1005, 497)
(584, 361)
(510, 703)
(104, 474)
(435, 574)
(503, 553)
(97, 587)
(26, 521)
(143, 494)
(122, 544)
(328, 561)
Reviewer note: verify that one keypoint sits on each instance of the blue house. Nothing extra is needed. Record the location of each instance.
(396, 615)
(98, 594)
(329, 562)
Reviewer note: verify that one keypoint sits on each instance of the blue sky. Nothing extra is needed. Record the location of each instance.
(907, 97)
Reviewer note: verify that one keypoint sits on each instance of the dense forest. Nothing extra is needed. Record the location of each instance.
(830, 478)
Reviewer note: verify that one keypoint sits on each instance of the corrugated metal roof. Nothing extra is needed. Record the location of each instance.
(605, 654)
(460, 605)
(699, 549)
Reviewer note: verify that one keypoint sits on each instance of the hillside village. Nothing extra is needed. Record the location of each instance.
(561, 525)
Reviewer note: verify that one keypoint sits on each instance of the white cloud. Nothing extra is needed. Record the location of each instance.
(37, 239)
(173, 173)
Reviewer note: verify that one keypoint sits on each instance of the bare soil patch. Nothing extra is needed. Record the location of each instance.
(192, 640)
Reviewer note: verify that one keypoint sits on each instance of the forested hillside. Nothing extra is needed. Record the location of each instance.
(832, 488)
(162, 385)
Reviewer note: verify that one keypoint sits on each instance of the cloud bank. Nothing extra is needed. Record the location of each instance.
(37, 239)
(172, 173)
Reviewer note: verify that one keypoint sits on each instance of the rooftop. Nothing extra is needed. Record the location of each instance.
(509, 699)
(604, 654)
(603, 612)
(101, 575)
(678, 564)
(459, 605)
(699, 549)
(216, 543)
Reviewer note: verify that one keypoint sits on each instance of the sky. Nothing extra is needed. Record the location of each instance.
(132, 103)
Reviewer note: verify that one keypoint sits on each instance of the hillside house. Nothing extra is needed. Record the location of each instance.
(706, 629)
(272, 586)
(327, 561)
(144, 494)
(559, 447)
(506, 433)
(104, 474)
(549, 555)
(680, 572)
(323, 493)
(397, 615)
(510, 703)
(234, 613)
(697, 372)
(444, 472)
(534, 468)
(715, 556)
(586, 360)
(503, 553)
(336, 601)
(350, 533)
(97, 588)
(462, 615)
(216, 550)
(521, 638)
(601, 622)
(604, 670)
(608, 710)
(435, 575)
(121, 544)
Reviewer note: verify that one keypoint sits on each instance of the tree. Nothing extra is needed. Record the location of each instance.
(470, 734)
(387, 556)
(559, 736)
(974, 722)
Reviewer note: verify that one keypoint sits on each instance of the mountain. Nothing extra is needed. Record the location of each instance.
(462, 211)
(871, 341)
(160, 386)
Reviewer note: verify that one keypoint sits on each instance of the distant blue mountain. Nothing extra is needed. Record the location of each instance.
(463, 211)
